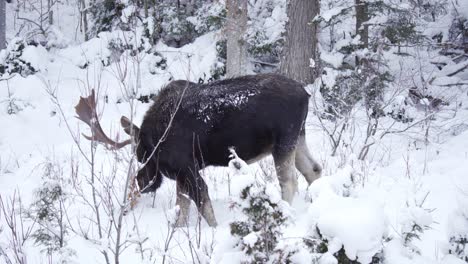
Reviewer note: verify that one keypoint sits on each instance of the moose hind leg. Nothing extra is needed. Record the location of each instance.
(284, 165)
(197, 190)
(308, 167)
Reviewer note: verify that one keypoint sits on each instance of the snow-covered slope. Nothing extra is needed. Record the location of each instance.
(402, 204)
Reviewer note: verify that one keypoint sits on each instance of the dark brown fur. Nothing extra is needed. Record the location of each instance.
(257, 115)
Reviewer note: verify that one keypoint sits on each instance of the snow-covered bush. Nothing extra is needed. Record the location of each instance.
(176, 30)
(368, 64)
(180, 25)
(398, 109)
(261, 216)
(218, 70)
(209, 17)
(109, 47)
(401, 29)
(267, 19)
(125, 41)
(344, 229)
(458, 232)
(340, 95)
(105, 16)
(56, 38)
(366, 83)
(416, 222)
(175, 23)
(401, 248)
(21, 58)
(318, 247)
(459, 246)
(156, 62)
(459, 32)
(258, 234)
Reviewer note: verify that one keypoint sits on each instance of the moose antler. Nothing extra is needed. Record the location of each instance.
(86, 111)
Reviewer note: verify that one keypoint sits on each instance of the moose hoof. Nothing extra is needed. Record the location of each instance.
(212, 223)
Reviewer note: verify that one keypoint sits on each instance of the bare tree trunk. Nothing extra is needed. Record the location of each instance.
(362, 29)
(50, 12)
(146, 8)
(362, 16)
(300, 60)
(84, 19)
(2, 24)
(236, 26)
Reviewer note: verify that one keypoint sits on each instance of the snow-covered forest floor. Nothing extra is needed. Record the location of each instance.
(401, 204)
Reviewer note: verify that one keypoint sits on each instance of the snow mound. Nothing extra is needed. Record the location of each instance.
(355, 224)
(36, 57)
(337, 184)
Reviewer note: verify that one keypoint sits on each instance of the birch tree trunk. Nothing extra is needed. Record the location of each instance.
(236, 26)
(300, 59)
(2, 24)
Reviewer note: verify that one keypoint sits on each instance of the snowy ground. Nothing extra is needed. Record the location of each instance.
(355, 204)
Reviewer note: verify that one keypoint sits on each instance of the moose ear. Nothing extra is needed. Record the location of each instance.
(129, 127)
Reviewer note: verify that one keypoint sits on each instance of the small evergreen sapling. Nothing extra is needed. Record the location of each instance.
(49, 211)
(418, 220)
(264, 217)
(459, 246)
(259, 233)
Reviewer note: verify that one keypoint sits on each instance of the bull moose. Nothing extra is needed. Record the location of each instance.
(191, 126)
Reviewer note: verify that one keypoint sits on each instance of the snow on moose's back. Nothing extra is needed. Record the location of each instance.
(213, 100)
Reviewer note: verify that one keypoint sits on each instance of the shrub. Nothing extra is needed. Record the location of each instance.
(12, 59)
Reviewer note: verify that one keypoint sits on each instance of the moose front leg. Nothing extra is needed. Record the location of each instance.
(194, 187)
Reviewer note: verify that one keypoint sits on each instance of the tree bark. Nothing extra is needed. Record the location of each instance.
(146, 8)
(50, 12)
(300, 60)
(236, 26)
(2, 24)
(362, 16)
(84, 19)
(362, 29)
